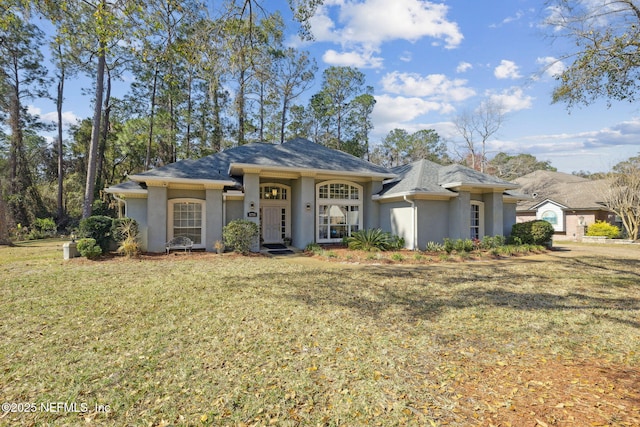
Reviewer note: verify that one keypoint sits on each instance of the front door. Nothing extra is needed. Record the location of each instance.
(272, 224)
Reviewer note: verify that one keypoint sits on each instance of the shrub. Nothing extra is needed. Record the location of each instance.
(125, 233)
(538, 232)
(240, 235)
(396, 256)
(88, 248)
(314, 248)
(42, 228)
(434, 247)
(491, 242)
(396, 242)
(602, 228)
(448, 245)
(372, 239)
(97, 227)
(465, 245)
(121, 228)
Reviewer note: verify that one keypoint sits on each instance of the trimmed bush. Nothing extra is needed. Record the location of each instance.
(602, 228)
(97, 227)
(88, 248)
(538, 232)
(241, 235)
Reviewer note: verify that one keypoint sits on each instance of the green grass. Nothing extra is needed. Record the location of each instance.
(228, 340)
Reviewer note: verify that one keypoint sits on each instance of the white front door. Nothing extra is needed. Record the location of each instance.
(272, 224)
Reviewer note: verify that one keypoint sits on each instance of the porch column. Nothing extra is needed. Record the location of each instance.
(371, 207)
(251, 182)
(214, 217)
(303, 206)
(156, 218)
(460, 216)
(493, 214)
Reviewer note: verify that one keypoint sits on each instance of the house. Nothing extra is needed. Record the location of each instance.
(568, 202)
(308, 193)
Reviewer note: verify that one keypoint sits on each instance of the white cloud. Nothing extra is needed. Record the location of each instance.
(507, 70)
(68, 117)
(512, 99)
(406, 56)
(352, 59)
(436, 86)
(374, 22)
(552, 67)
(463, 67)
(400, 109)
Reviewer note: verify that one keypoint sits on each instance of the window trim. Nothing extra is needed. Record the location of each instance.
(480, 218)
(348, 202)
(203, 227)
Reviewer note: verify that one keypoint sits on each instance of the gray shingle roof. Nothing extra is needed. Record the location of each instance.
(295, 154)
(420, 176)
(458, 174)
(424, 176)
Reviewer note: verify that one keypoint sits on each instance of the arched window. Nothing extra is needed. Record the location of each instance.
(186, 218)
(339, 211)
(550, 216)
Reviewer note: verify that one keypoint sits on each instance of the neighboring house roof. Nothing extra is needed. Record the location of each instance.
(568, 191)
(431, 179)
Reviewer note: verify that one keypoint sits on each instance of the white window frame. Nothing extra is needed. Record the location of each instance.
(480, 218)
(203, 223)
(338, 202)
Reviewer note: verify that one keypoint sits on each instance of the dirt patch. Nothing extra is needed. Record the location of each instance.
(553, 393)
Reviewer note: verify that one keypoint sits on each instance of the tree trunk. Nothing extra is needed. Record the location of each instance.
(4, 229)
(147, 161)
(16, 157)
(283, 119)
(100, 174)
(87, 207)
(60, 210)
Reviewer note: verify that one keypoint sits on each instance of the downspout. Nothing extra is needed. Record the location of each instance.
(414, 218)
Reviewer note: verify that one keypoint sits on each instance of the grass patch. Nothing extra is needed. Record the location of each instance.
(228, 340)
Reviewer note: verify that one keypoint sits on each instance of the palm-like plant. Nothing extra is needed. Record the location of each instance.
(372, 239)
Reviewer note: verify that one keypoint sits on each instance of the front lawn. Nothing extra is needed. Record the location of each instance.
(205, 340)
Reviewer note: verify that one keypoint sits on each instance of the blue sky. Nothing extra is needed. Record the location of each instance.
(429, 61)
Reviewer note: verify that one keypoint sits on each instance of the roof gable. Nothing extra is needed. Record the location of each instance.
(429, 178)
(458, 176)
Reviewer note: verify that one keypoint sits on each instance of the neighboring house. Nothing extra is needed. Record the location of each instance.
(309, 193)
(566, 201)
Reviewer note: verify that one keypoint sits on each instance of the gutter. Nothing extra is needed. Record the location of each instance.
(414, 219)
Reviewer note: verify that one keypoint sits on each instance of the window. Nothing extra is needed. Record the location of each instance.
(550, 216)
(186, 218)
(477, 220)
(273, 192)
(339, 210)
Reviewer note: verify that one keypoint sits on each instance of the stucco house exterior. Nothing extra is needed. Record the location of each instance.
(305, 192)
(568, 202)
